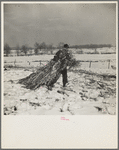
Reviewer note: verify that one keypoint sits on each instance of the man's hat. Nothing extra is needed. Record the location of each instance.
(66, 46)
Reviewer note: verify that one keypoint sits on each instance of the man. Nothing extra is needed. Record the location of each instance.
(63, 55)
(50, 73)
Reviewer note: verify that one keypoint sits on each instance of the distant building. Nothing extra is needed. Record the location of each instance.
(30, 52)
(13, 53)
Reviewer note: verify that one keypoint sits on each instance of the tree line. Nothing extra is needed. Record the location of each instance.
(47, 47)
(25, 48)
(91, 46)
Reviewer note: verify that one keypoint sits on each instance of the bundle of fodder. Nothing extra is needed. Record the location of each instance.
(48, 74)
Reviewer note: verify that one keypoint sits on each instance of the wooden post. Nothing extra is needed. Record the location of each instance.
(40, 62)
(90, 65)
(29, 62)
(109, 64)
(15, 63)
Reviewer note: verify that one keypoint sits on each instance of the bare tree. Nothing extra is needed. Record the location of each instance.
(42, 45)
(7, 49)
(24, 49)
(36, 45)
(17, 49)
(50, 47)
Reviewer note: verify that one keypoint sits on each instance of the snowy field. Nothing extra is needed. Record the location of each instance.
(83, 57)
(85, 94)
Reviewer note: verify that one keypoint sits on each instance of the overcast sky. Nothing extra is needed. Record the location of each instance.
(53, 23)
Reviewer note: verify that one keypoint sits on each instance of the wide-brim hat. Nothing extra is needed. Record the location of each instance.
(66, 46)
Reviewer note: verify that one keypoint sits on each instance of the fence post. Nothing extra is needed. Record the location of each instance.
(29, 62)
(40, 62)
(109, 64)
(90, 65)
(15, 63)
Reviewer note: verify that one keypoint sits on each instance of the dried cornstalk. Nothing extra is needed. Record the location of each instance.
(46, 75)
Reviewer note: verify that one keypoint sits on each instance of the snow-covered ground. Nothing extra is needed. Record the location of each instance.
(86, 57)
(87, 92)
(101, 64)
(84, 95)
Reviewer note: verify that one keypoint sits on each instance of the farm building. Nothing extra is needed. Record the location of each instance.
(14, 52)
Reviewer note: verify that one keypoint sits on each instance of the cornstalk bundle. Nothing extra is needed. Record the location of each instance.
(48, 74)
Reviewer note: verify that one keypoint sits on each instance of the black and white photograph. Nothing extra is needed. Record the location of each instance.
(59, 64)
(59, 59)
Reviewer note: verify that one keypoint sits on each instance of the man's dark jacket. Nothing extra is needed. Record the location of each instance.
(63, 55)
